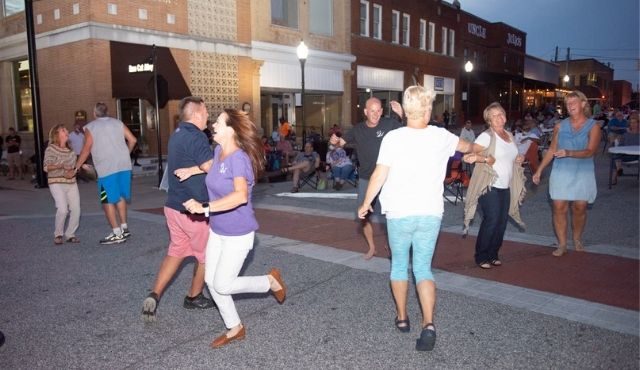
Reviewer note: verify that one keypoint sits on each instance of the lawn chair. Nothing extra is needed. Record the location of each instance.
(455, 180)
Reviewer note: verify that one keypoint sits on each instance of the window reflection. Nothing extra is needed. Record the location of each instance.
(12, 7)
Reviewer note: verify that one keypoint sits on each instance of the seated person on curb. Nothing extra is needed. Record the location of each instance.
(305, 163)
(285, 147)
(339, 163)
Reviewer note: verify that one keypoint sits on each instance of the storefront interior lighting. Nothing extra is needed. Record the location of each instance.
(566, 78)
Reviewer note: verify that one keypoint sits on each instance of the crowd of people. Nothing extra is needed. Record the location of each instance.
(401, 164)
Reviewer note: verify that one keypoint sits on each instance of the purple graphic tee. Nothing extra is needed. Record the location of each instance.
(240, 220)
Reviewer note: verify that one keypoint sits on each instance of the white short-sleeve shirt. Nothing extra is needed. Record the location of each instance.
(417, 161)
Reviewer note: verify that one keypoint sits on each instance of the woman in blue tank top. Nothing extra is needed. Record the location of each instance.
(572, 179)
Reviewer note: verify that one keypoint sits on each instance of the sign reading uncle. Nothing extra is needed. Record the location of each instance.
(438, 83)
(477, 30)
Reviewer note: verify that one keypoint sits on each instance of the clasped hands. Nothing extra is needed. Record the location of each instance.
(183, 173)
(193, 206)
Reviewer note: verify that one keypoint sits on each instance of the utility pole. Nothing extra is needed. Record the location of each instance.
(41, 181)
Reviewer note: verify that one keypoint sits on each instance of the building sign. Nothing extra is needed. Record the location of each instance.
(438, 83)
(477, 30)
(142, 67)
(513, 39)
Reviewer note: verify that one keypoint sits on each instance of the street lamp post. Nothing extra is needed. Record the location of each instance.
(154, 60)
(303, 52)
(468, 67)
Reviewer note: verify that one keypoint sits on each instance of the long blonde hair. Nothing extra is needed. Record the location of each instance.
(53, 136)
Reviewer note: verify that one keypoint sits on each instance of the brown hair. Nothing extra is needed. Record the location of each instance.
(53, 136)
(247, 139)
(188, 106)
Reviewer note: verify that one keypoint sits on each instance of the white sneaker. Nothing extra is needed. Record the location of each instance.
(113, 239)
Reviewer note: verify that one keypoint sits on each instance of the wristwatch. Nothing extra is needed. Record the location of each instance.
(206, 209)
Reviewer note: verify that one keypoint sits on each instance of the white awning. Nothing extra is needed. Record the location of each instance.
(380, 79)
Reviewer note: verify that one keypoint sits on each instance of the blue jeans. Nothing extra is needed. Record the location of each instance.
(342, 173)
(495, 214)
(419, 231)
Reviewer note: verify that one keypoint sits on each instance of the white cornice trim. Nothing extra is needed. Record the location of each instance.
(110, 32)
(283, 54)
(14, 46)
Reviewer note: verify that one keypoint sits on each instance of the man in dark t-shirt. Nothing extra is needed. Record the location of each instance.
(367, 136)
(188, 150)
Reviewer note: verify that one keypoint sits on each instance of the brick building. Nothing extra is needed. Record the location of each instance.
(233, 53)
(401, 43)
(497, 52)
(242, 53)
(590, 76)
(621, 91)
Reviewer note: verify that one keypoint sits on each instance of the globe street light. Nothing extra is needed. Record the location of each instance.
(303, 52)
(468, 67)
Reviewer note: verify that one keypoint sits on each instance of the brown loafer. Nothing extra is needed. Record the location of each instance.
(223, 340)
(282, 293)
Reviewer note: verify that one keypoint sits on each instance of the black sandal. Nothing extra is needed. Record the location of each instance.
(484, 265)
(496, 262)
(427, 339)
(403, 325)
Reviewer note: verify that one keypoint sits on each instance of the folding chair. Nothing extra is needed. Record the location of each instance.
(455, 181)
(309, 178)
(531, 159)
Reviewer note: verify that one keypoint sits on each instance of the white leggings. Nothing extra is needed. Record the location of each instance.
(224, 258)
(67, 198)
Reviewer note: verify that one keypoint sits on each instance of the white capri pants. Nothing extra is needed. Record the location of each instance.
(224, 258)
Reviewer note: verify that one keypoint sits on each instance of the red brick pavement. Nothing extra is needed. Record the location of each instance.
(593, 277)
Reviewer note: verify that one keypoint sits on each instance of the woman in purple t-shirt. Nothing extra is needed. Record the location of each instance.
(236, 163)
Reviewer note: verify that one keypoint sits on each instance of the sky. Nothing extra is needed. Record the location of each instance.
(606, 30)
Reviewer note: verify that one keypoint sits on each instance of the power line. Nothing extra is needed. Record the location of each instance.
(606, 57)
(616, 49)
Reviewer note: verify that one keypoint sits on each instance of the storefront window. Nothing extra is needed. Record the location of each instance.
(24, 109)
(322, 112)
(385, 97)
